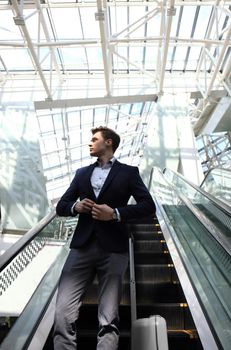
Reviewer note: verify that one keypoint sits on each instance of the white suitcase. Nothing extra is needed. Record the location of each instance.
(149, 334)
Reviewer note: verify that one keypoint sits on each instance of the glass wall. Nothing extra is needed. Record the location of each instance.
(22, 192)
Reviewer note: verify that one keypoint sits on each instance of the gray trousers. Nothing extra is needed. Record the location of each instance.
(79, 271)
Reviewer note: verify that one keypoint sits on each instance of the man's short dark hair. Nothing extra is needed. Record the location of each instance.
(108, 133)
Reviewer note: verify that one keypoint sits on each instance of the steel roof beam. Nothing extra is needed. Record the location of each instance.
(170, 13)
(116, 3)
(95, 101)
(101, 16)
(173, 41)
(19, 20)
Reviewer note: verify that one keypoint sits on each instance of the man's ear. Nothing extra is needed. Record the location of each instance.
(109, 142)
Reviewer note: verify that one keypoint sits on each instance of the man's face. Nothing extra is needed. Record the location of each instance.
(98, 146)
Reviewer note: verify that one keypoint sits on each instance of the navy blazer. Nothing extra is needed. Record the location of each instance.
(122, 182)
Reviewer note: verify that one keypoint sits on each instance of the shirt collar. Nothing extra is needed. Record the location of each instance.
(110, 162)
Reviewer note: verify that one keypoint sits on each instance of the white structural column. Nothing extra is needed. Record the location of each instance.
(189, 164)
(101, 16)
(19, 20)
(170, 12)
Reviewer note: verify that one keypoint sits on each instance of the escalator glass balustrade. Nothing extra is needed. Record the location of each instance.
(30, 270)
(207, 262)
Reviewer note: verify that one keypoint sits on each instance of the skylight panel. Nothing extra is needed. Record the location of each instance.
(57, 120)
(136, 55)
(8, 29)
(120, 60)
(153, 26)
(74, 58)
(119, 19)
(46, 124)
(66, 23)
(193, 58)
(100, 116)
(125, 108)
(202, 22)
(86, 116)
(187, 21)
(89, 23)
(73, 119)
(17, 59)
(95, 60)
(170, 59)
(176, 20)
(135, 13)
(53, 161)
(179, 60)
(67, 1)
(49, 144)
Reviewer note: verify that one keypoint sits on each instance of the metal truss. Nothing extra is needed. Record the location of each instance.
(215, 150)
(215, 62)
(212, 70)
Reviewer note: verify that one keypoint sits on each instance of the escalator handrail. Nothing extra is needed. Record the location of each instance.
(210, 170)
(17, 247)
(221, 205)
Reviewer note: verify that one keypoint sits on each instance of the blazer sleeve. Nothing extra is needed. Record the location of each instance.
(68, 199)
(144, 206)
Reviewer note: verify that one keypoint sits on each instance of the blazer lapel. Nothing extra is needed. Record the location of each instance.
(87, 179)
(114, 170)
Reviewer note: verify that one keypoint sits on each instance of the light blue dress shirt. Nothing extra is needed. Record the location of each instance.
(99, 175)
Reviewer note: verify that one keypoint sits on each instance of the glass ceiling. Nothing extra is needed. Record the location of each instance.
(85, 63)
(65, 137)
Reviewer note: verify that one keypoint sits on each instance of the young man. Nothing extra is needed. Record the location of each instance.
(99, 194)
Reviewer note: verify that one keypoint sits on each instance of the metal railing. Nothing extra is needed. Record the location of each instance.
(17, 247)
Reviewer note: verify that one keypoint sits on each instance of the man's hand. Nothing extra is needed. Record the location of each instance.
(102, 212)
(84, 206)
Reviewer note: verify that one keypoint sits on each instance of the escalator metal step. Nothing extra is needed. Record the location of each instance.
(149, 293)
(157, 273)
(142, 257)
(152, 246)
(147, 235)
(146, 293)
(145, 228)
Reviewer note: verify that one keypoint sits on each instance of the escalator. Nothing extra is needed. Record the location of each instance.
(196, 227)
(182, 267)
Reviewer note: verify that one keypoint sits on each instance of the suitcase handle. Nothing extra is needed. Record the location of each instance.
(132, 279)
